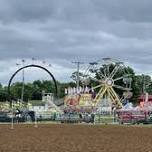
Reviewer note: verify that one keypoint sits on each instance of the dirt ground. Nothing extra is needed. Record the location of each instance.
(75, 138)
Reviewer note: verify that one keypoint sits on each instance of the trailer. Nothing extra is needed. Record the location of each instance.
(133, 116)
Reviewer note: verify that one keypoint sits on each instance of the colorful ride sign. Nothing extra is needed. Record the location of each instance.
(82, 100)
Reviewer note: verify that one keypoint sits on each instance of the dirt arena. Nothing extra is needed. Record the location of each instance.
(75, 138)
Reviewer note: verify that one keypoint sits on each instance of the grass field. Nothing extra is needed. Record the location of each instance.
(75, 138)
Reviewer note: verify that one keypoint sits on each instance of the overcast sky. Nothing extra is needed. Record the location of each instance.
(61, 31)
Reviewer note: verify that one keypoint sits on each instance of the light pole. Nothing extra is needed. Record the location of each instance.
(78, 76)
(23, 79)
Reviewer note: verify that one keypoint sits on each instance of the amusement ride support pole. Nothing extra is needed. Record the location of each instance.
(78, 76)
(12, 121)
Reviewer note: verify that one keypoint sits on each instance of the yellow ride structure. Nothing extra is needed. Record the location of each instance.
(107, 74)
(105, 82)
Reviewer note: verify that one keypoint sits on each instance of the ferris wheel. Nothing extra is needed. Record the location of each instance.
(110, 80)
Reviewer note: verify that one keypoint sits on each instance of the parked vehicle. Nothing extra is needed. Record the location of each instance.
(19, 116)
(4, 117)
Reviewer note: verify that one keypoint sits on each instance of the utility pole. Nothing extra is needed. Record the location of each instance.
(23, 79)
(78, 76)
(143, 83)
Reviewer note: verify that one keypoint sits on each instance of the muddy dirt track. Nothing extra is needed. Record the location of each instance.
(75, 138)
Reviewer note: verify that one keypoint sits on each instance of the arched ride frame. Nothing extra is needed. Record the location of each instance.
(25, 67)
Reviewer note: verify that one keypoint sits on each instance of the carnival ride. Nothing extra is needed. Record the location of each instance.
(102, 89)
(106, 82)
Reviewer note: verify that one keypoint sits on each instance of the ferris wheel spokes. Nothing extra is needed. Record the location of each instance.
(118, 78)
(105, 72)
(101, 75)
(120, 87)
(108, 70)
(122, 77)
(115, 70)
(98, 86)
(94, 79)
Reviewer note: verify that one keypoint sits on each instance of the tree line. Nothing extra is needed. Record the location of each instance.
(33, 90)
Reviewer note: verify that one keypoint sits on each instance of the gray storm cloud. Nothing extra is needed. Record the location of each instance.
(61, 31)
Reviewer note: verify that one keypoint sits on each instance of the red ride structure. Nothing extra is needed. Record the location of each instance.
(132, 116)
(139, 114)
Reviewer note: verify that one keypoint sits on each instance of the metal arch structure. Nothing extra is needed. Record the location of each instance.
(25, 67)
